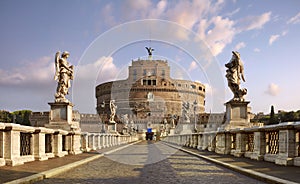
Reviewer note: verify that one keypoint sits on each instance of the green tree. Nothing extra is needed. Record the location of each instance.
(273, 119)
(22, 117)
(5, 116)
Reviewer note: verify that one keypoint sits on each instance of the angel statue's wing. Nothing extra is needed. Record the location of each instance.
(56, 65)
(148, 49)
(241, 67)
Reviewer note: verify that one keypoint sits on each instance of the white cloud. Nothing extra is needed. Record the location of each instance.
(159, 9)
(295, 19)
(273, 89)
(273, 38)
(103, 70)
(220, 35)
(187, 13)
(284, 33)
(233, 12)
(193, 66)
(254, 22)
(256, 50)
(38, 72)
(239, 46)
(202, 17)
(107, 12)
(132, 9)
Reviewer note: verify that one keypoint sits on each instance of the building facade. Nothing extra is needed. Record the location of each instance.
(149, 94)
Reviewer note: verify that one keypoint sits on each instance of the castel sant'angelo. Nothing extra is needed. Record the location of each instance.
(149, 94)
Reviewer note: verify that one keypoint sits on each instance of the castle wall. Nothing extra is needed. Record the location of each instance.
(150, 93)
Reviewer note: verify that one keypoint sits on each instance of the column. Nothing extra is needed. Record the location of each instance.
(2, 160)
(84, 138)
(259, 145)
(240, 144)
(200, 141)
(57, 144)
(39, 145)
(287, 146)
(223, 143)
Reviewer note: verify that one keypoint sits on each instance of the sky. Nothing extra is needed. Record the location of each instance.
(195, 37)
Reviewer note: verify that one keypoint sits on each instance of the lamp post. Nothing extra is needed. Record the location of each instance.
(195, 108)
(103, 123)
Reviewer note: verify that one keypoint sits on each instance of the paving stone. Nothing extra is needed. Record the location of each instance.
(150, 163)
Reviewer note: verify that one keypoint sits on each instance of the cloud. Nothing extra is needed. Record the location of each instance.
(104, 67)
(273, 38)
(107, 12)
(254, 22)
(284, 33)
(273, 89)
(159, 9)
(233, 12)
(220, 35)
(193, 66)
(239, 46)
(40, 71)
(295, 19)
(202, 17)
(256, 50)
(132, 9)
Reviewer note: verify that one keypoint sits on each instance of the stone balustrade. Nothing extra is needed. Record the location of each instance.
(95, 141)
(275, 143)
(20, 144)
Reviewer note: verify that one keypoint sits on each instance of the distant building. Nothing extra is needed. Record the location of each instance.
(210, 121)
(90, 123)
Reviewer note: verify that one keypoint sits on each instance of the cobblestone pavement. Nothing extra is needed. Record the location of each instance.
(149, 162)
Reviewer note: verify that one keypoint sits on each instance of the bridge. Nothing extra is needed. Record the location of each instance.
(268, 154)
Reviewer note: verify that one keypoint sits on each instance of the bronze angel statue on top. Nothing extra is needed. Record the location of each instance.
(234, 74)
(64, 73)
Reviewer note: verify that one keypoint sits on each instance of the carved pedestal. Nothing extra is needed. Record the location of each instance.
(112, 127)
(186, 128)
(172, 131)
(236, 115)
(61, 117)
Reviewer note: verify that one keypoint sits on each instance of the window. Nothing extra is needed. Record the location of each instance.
(153, 72)
(154, 82)
(163, 73)
(193, 86)
(134, 74)
(145, 72)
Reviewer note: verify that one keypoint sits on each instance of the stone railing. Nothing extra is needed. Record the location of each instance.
(95, 141)
(277, 143)
(20, 144)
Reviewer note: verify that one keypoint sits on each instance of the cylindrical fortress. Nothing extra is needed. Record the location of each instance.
(150, 94)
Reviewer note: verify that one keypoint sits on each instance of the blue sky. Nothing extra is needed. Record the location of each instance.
(266, 33)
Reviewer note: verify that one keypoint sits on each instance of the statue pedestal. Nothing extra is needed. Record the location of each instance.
(236, 115)
(172, 131)
(112, 127)
(185, 128)
(61, 117)
(125, 130)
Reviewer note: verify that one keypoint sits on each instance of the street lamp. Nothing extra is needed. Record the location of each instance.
(195, 108)
(103, 123)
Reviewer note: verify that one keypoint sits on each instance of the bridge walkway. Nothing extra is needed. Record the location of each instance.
(145, 162)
